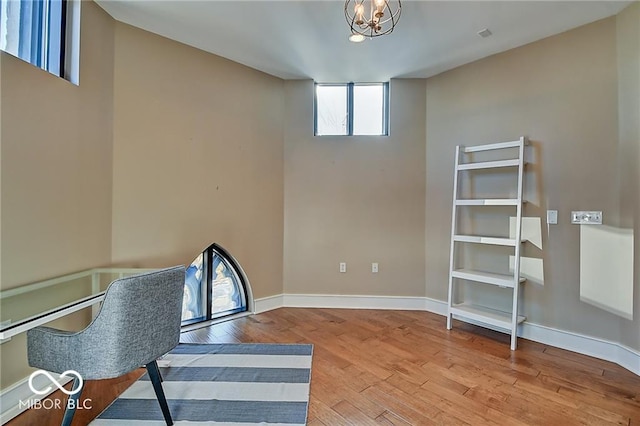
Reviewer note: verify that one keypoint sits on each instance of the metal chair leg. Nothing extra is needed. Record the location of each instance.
(72, 403)
(156, 380)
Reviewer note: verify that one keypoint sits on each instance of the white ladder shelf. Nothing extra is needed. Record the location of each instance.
(506, 321)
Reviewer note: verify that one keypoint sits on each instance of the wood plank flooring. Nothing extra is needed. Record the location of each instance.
(373, 367)
(101, 393)
(405, 368)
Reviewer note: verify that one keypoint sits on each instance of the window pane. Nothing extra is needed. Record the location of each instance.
(214, 287)
(368, 109)
(227, 291)
(194, 306)
(10, 24)
(54, 32)
(32, 30)
(331, 110)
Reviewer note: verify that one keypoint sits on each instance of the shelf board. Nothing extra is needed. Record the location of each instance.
(488, 202)
(484, 315)
(490, 164)
(501, 280)
(496, 241)
(492, 146)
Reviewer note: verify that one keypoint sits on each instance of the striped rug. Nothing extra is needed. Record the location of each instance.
(222, 384)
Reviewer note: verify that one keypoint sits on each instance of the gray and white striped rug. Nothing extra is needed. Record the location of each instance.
(222, 384)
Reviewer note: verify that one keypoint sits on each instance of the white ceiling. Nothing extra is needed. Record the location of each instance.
(308, 39)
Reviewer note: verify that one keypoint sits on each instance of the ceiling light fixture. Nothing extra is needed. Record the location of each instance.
(372, 18)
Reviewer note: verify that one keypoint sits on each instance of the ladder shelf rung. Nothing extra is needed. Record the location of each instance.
(489, 164)
(492, 146)
(496, 241)
(500, 280)
(487, 202)
(485, 315)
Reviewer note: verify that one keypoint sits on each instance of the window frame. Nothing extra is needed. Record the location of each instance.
(206, 284)
(350, 107)
(48, 36)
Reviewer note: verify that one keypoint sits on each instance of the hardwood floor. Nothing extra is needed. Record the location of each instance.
(404, 368)
(98, 394)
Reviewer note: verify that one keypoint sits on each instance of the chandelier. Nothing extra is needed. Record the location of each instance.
(371, 18)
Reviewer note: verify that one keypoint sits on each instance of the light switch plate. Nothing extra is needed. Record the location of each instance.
(586, 217)
(552, 217)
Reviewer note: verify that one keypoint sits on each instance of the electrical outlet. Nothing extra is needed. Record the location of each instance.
(343, 267)
(374, 267)
(586, 217)
(552, 217)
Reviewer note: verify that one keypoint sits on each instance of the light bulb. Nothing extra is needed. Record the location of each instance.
(380, 4)
(359, 9)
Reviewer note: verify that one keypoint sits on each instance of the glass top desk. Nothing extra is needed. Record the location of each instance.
(26, 307)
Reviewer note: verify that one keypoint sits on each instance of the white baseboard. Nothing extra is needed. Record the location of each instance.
(609, 351)
(354, 302)
(586, 345)
(269, 303)
(436, 306)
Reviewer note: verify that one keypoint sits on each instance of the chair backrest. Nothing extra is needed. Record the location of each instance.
(139, 321)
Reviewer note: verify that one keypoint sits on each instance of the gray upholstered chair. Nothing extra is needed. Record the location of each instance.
(139, 321)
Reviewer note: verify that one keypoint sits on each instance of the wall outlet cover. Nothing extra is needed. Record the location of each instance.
(586, 217)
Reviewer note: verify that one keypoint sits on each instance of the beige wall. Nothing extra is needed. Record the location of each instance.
(56, 161)
(355, 199)
(628, 42)
(164, 149)
(198, 158)
(562, 92)
(56, 171)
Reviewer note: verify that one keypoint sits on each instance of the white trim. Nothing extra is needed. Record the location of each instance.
(20, 391)
(407, 303)
(354, 302)
(72, 55)
(592, 346)
(436, 306)
(268, 303)
(586, 345)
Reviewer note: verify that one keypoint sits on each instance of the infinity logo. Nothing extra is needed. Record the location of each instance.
(68, 373)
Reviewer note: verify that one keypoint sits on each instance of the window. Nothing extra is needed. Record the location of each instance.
(43, 33)
(351, 109)
(215, 287)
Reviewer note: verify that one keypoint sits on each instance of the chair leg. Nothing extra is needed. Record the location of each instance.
(72, 403)
(156, 380)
